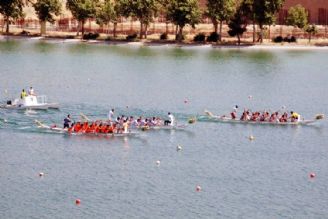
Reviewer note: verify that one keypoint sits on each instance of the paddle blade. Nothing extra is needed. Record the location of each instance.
(208, 113)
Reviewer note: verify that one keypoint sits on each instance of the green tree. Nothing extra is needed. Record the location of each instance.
(11, 9)
(82, 10)
(109, 11)
(297, 16)
(311, 30)
(183, 12)
(220, 11)
(238, 23)
(144, 10)
(264, 12)
(46, 10)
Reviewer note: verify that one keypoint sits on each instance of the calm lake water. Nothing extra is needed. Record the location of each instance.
(119, 178)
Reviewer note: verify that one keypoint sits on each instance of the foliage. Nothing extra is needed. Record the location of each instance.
(144, 10)
(11, 9)
(90, 36)
(280, 39)
(106, 12)
(219, 11)
(82, 10)
(237, 25)
(132, 37)
(163, 36)
(311, 30)
(183, 12)
(264, 12)
(46, 9)
(297, 16)
(200, 37)
(213, 37)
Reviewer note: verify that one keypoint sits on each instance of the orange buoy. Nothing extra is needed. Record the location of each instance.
(198, 188)
(312, 175)
(77, 201)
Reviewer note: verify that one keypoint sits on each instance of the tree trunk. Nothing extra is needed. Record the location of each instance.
(7, 25)
(180, 34)
(215, 25)
(114, 29)
(78, 28)
(141, 29)
(269, 32)
(238, 37)
(42, 28)
(146, 29)
(220, 34)
(82, 28)
(167, 28)
(310, 37)
(254, 31)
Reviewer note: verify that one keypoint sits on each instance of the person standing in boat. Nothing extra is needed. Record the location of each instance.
(67, 121)
(111, 115)
(170, 121)
(23, 94)
(31, 91)
(234, 112)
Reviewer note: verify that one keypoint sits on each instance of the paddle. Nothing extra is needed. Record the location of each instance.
(85, 118)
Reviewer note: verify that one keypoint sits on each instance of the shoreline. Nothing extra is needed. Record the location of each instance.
(172, 43)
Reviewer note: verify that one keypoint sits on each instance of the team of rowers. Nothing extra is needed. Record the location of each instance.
(265, 116)
(121, 124)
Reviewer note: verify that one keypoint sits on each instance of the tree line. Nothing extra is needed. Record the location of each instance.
(238, 14)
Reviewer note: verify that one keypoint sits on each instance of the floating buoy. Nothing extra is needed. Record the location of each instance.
(312, 175)
(179, 147)
(6, 91)
(198, 188)
(250, 97)
(192, 120)
(77, 201)
(158, 162)
(251, 138)
(185, 101)
(41, 174)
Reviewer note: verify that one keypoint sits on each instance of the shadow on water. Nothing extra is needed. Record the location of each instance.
(44, 47)
(9, 45)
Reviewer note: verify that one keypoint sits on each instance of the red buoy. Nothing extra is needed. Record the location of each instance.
(198, 188)
(312, 175)
(77, 201)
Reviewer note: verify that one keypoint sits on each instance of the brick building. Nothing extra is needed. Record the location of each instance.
(317, 9)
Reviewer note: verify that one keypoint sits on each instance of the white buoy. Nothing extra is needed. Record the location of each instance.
(6, 91)
(198, 188)
(251, 138)
(179, 147)
(158, 162)
(41, 174)
(250, 96)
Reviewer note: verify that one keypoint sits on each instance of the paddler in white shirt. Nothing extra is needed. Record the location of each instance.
(170, 121)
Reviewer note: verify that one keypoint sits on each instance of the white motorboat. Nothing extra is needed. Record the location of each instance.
(30, 102)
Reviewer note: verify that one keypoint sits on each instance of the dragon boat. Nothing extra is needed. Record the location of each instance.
(225, 119)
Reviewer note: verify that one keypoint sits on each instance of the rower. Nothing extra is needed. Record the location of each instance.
(23, 94)
(111, 115)
(67, 121)
(170, 121)
(125, 126)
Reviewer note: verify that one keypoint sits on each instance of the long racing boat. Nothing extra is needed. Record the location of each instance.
(58, 130)
(225, 119)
